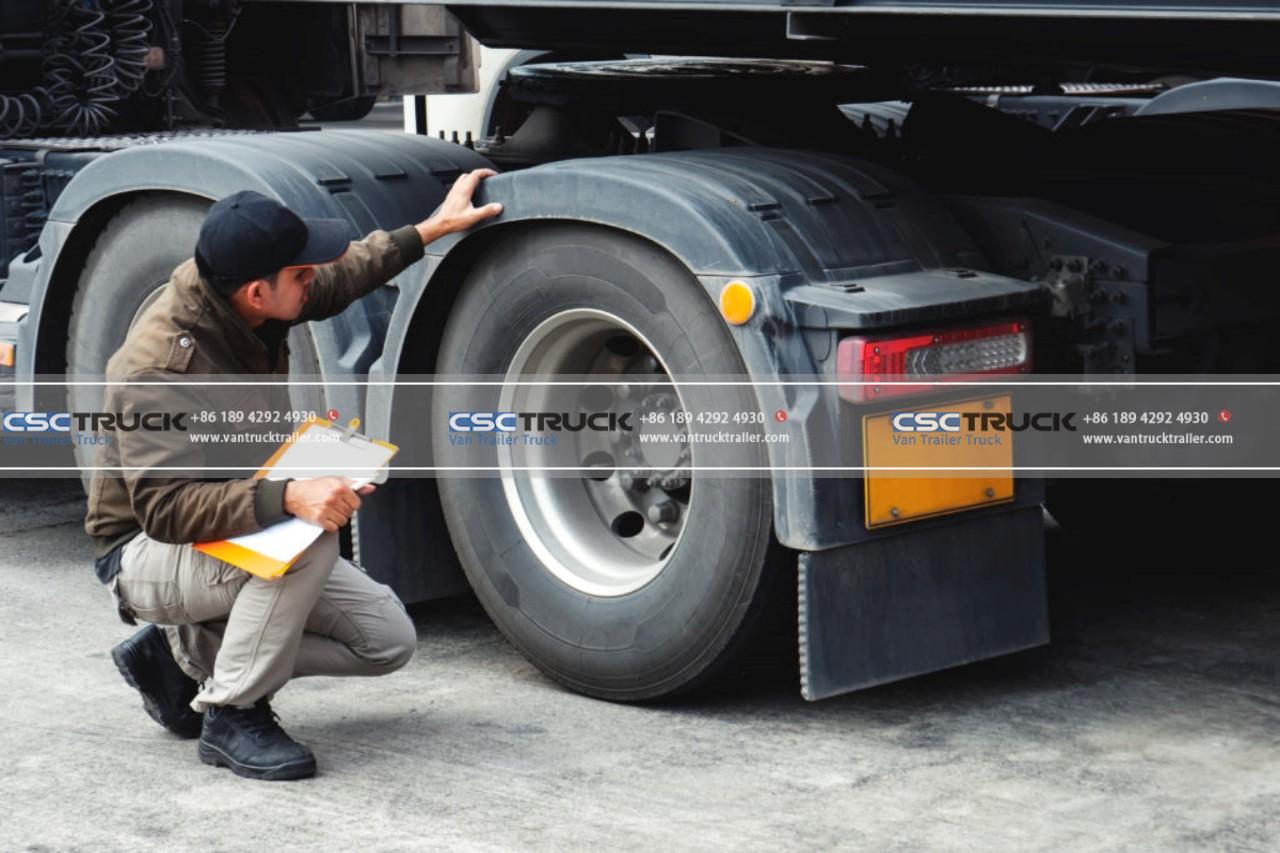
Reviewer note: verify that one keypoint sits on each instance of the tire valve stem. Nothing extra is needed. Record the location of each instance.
(664, 513)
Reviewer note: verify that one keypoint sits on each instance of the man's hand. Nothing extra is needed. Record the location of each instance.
(326, 501)
(456, 212)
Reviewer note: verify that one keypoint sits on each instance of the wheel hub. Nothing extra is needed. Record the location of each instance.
(607, 521)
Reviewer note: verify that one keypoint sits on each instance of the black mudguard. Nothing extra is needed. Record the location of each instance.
(899, 606)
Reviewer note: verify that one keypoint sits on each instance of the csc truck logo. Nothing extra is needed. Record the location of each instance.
(92, 421)
(37, 422)
(926, 422)
(482, 421)
(983, 421)
(539, 421)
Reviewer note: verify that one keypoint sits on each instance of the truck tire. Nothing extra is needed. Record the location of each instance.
(134, 255)
(573, 579)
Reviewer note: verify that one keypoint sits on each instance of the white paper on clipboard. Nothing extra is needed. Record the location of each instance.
(318, 448)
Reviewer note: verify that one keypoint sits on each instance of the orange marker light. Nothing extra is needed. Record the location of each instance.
(737, 303)
(7, 354)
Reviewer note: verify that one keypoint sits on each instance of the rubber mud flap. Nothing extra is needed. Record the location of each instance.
(922, 601)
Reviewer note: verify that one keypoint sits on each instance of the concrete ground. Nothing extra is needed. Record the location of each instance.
(1151, 723)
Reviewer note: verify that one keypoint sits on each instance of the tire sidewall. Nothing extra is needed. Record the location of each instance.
(136, 253)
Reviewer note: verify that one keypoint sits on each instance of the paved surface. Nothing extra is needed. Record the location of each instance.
(1153, 722)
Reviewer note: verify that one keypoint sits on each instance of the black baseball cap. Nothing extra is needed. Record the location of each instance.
(248, 235)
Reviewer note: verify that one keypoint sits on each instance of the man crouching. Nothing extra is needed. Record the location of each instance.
(228, 639)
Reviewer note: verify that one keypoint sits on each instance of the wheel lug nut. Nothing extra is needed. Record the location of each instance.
(664, 512)
(633, 482)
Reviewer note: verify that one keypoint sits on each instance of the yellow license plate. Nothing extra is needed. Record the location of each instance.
(895, 494)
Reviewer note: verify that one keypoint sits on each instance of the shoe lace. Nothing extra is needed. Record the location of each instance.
(261, 720)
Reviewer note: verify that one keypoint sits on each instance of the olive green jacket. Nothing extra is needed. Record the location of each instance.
(191, 331)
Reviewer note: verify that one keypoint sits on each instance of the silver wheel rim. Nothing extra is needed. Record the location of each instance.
(611, 530)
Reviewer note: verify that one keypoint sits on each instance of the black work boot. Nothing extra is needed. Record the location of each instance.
(251, 742)
(147, 663)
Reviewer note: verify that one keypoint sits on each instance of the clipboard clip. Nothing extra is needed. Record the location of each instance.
(350, 429)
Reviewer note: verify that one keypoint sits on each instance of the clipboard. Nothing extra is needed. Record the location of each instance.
(317, 448)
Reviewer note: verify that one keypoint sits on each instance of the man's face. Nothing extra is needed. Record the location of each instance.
(286, 299)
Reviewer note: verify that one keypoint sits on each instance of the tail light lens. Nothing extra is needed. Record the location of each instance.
(971, 352)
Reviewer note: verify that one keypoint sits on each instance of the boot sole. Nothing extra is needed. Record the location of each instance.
(210, 754)
(120, 656)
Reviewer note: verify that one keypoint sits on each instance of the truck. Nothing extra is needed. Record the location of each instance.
(692, 189)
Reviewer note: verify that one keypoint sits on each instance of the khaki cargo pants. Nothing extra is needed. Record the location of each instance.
(244, 637)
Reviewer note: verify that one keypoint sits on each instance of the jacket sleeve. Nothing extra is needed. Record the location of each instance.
(367, 265)
(167, 476)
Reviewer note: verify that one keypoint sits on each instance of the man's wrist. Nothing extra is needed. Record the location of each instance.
(430, 230)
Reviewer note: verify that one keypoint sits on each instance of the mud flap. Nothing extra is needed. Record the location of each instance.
(922, 601)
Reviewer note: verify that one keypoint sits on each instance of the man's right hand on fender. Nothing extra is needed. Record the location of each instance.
(326, 501)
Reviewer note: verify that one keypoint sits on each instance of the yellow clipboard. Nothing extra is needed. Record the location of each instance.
(317, 448)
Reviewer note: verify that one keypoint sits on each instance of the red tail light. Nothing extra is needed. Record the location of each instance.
(945, 354)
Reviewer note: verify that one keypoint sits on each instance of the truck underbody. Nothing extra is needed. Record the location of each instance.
(1106, 170)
